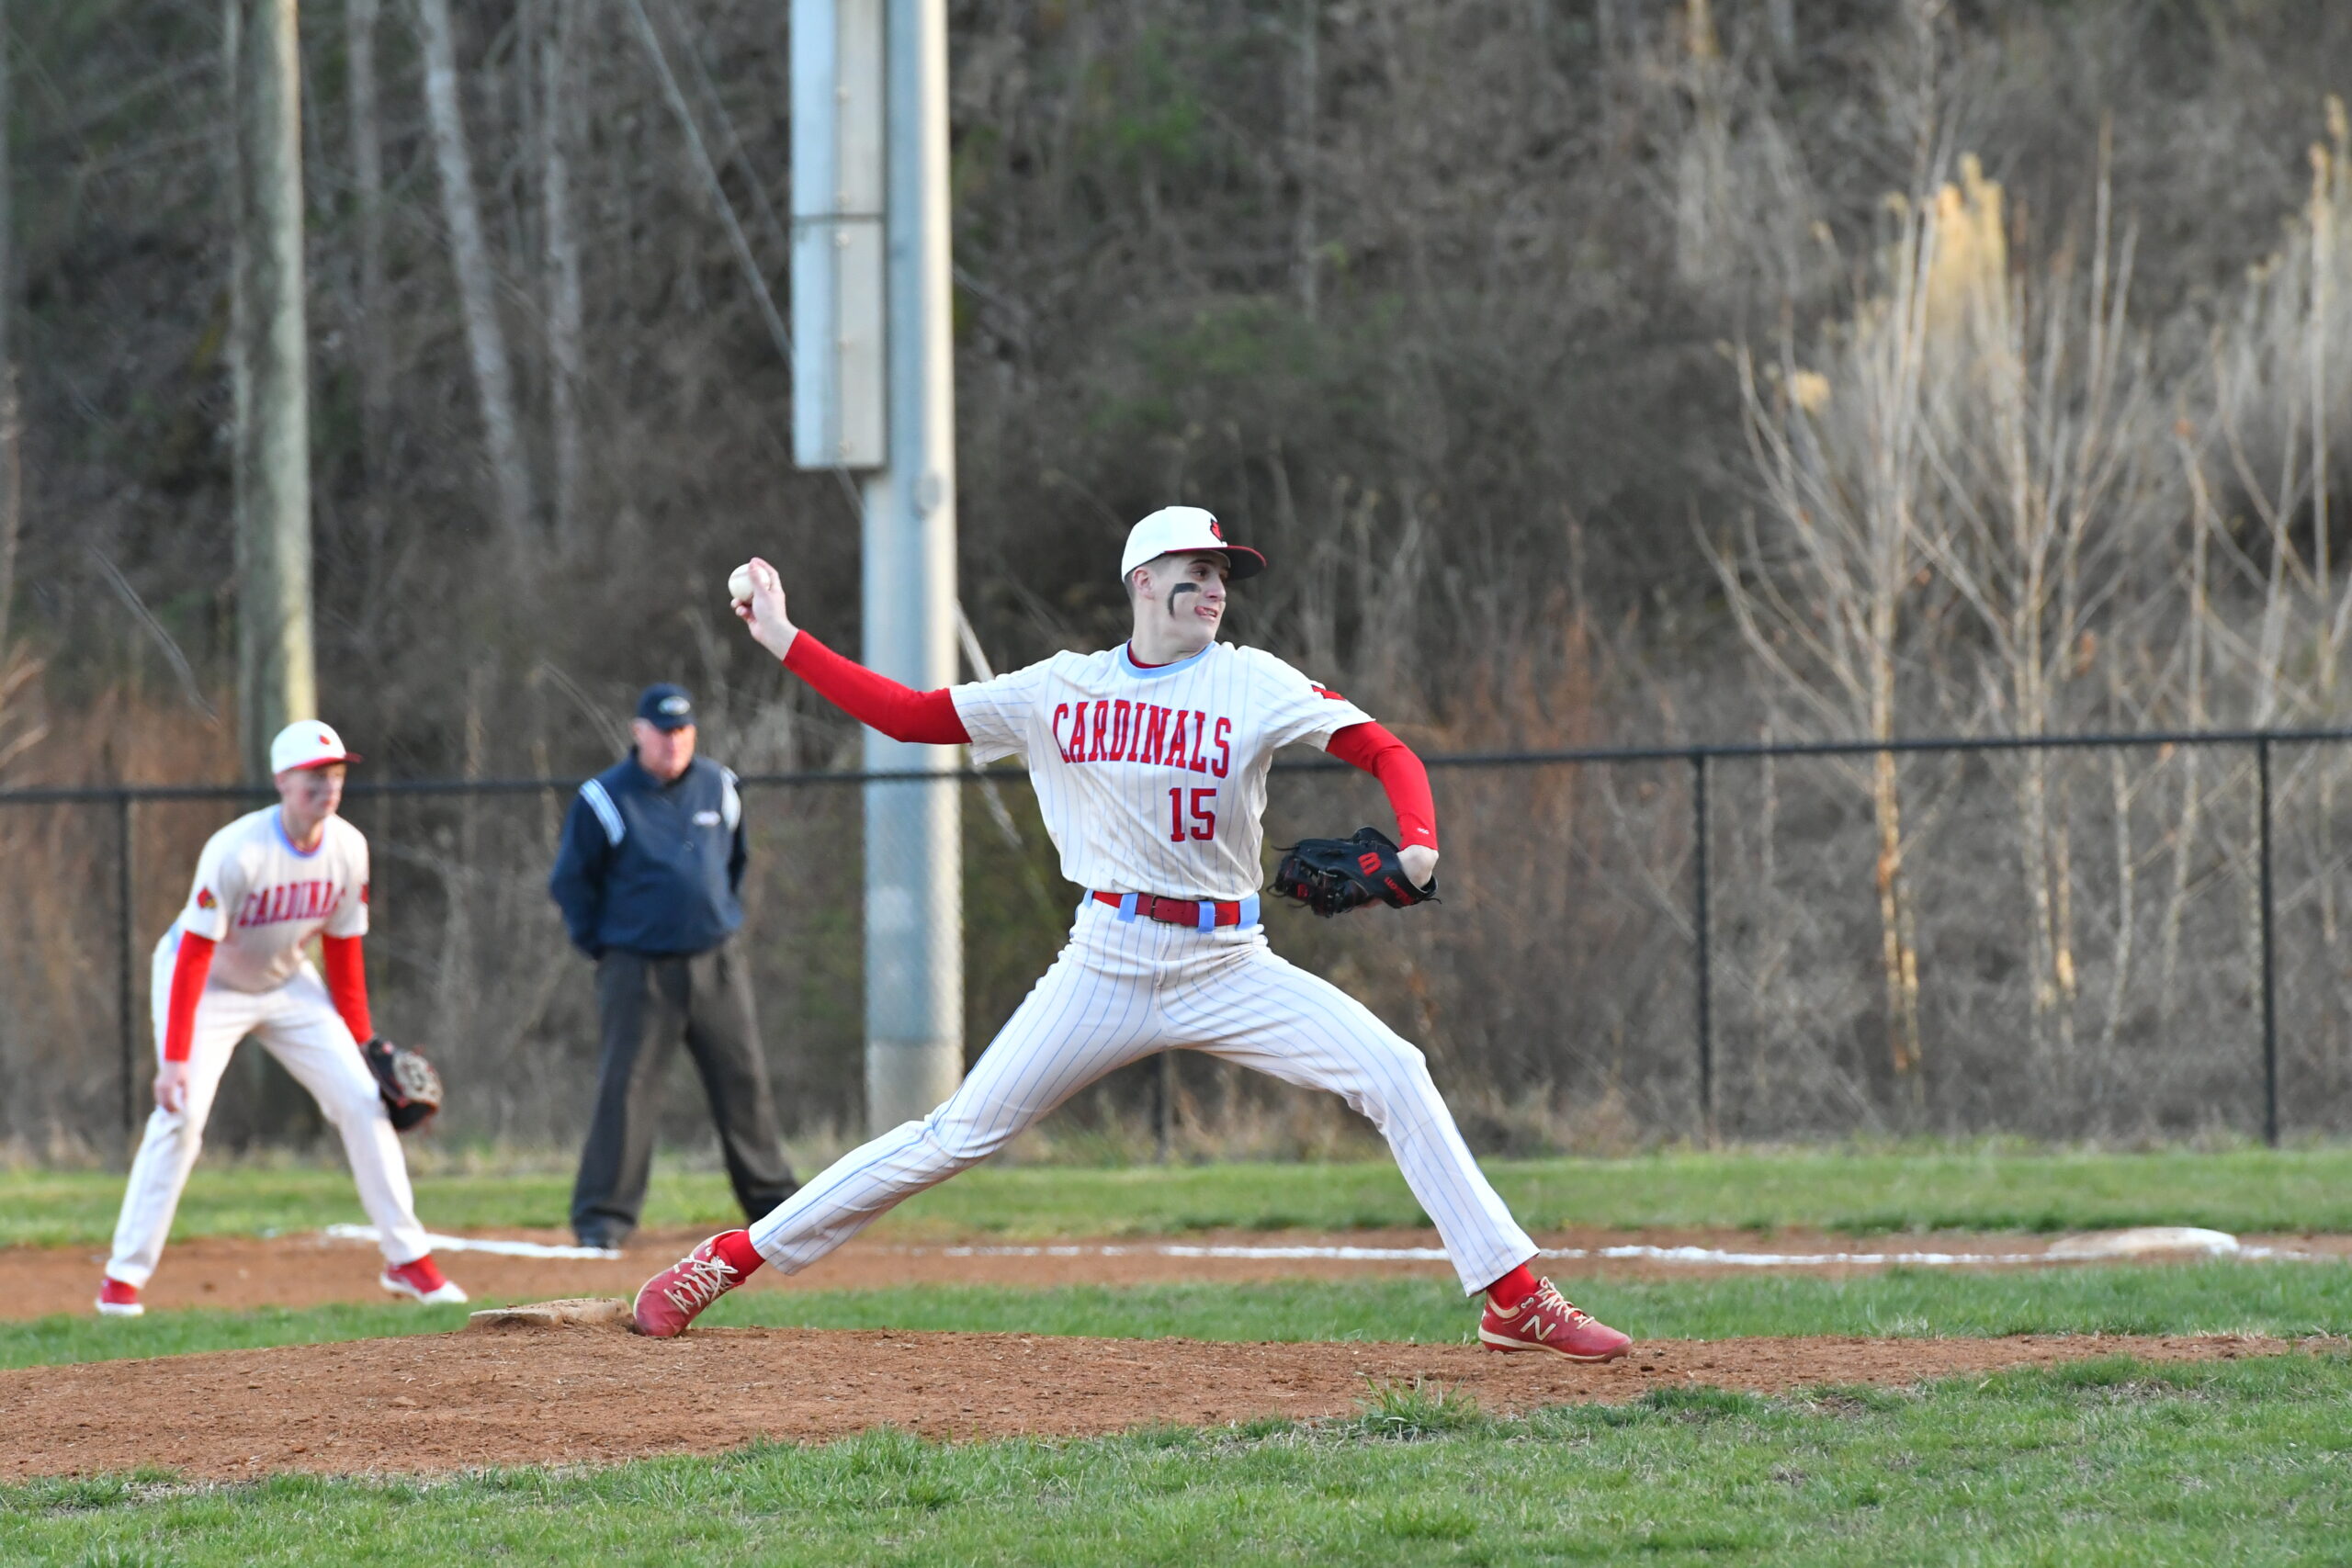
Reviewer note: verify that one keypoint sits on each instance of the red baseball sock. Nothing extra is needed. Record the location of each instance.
(1513, 1288)
(736, 1248)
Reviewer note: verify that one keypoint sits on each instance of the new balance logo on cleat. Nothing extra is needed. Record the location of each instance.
(1548, 1321)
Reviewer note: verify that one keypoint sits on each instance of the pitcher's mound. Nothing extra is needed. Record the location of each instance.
(573, 1311)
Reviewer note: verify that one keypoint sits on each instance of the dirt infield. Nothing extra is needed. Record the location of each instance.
(241, 1272)
(596, 1395)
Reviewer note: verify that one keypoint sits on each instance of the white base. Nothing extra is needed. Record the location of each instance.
(2144, 1240)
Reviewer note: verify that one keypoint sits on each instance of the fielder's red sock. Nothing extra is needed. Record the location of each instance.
(1513, 1288)
(735, 1250)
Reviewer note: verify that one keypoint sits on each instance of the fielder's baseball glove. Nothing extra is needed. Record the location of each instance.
(411, 1089)
(1331, 877)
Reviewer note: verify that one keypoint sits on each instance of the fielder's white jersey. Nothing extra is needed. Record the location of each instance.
(1153, 779)
(261, 898)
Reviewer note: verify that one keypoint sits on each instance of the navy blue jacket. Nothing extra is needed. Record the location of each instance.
(650, 867)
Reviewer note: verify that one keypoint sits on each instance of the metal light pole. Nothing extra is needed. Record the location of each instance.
(874, 383)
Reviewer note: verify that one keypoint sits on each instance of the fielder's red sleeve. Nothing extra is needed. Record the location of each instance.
(1389, 760)
(925, 718)
(190, 970)
(348, 984)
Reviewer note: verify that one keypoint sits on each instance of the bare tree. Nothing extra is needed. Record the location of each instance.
(1822, 597)
(371, 331)
(1305, 91)
(469, 260)
(269, 364)
(16, 673)
(2046, 444)
(12, 488)
(558, 120)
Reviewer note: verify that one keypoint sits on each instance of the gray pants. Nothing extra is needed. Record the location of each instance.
(648, 1002)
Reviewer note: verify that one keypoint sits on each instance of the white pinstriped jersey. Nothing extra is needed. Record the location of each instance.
(261, 898)
(1153, 779)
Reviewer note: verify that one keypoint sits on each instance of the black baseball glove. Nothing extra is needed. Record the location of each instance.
(411, 1089)
(1331, 877)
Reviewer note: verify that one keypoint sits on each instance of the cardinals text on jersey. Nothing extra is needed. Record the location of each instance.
(1152, 778)
(261, 898)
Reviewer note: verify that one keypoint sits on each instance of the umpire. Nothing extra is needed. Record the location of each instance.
(651, 861)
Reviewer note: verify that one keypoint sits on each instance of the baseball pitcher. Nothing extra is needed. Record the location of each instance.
(1149, 761)
(232, 964)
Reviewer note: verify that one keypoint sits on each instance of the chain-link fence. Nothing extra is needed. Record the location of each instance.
(2115, 937)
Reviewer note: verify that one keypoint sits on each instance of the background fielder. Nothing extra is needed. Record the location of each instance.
(1149, 763)
(232, 964)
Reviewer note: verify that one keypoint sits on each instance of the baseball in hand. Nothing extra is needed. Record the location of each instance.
(739, 584)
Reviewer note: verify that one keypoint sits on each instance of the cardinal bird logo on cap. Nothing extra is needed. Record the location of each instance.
(205, 900)
(1216, 530)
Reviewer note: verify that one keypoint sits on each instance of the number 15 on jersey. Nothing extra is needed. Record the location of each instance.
(1202, 807)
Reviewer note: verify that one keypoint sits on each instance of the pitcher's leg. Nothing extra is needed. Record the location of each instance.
(306, 1035)
(1283, 1021)
(1077, 1026)
(167, 1151)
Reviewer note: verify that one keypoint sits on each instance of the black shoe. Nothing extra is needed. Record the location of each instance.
(602, 1241)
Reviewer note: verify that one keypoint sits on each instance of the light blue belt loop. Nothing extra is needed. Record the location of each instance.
(1250, 913)
(1127, 907)
(1208, 914)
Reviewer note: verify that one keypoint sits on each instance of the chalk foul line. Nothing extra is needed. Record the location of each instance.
(497, 1244)
(2151, 1241)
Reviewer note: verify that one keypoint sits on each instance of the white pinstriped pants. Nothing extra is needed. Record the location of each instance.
(1121, 990)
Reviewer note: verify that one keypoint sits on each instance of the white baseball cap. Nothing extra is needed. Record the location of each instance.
(1186, 530)
(307, 743)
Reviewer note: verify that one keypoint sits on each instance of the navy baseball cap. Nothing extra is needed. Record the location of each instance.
(666, 706)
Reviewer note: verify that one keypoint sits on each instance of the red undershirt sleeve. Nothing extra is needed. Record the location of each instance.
(346, 968)
(190, 970)
(1389, 760)
(924, 718)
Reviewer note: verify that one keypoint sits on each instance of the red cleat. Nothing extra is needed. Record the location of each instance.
(1548, 1321)
(420, 1281)
(117, 1298)
(675, 1297)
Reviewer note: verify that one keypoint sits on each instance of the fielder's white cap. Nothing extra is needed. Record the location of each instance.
(306, 744)
(1186, 530)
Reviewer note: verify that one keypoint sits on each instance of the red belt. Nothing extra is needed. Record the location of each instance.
(1176, 912)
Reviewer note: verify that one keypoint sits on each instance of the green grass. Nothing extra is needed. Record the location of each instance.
(86, 1337)
(2107, 1461)
(1863, 1192)
(2283, 1299)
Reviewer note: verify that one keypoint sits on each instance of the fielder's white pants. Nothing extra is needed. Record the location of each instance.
(297, 1025)
(1121, 990)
